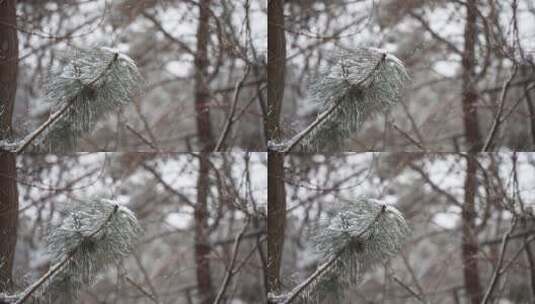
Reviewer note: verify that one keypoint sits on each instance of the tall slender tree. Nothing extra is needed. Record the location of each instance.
(8, 185)
(9, 51)
(204, 132)
(202, 247)
(470, 246)
(9, 204)
(202, 95)
(276, 188)
(469, 91)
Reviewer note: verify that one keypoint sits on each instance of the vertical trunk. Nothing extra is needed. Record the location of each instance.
(202, 95)
(276, 70)
(276, 221)
(471, 124)
(9, 52)
(8, 186)
(530, 105)
(531, 262)
(470, 247)
(202, 247)
(8, 217)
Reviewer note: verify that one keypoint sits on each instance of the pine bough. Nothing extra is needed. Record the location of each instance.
(90, 84)
(361, 235)
(358, 85)
(93, 235)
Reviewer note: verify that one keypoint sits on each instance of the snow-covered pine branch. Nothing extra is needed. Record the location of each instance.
(358, 85)
(359, 236)
(93, 235)
(88, 85)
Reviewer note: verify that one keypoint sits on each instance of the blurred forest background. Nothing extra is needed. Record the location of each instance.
(202, 215)
(202, 62)
(469, 216)
(471, 64)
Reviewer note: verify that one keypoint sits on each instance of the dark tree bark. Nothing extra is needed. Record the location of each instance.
(8, 186)
(470, 245)
(202, 94)
(202, 247)
(9, 204)
(276, 69)
(9, 53)
(470, 96)
(276, 221)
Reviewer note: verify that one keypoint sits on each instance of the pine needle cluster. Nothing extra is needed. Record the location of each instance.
(355, 86)
(90, 84)
(93, 235)
(359, 236)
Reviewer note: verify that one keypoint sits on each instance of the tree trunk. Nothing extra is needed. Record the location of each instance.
(9, 203)
(202, 95)
(470, 96)
(202, 247)
(470, 247)
(276, 221)
(276, 70)
(9, 53)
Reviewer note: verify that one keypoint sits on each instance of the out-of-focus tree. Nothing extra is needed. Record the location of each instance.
(484, 230)
(8, 172)
(471, 67)
(162, 190)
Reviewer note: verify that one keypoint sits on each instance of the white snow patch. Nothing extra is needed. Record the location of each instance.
(178, 220)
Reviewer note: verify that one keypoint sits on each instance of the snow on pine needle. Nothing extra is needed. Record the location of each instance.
(92, 235)
(88, 85)
(354, 86)
(354, 239)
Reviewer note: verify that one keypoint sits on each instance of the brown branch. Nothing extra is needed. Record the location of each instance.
(142, 290)
(160, 28)
(230, 121)
(141, 137)
(410, 290)
(230, 268)
(434, 186)
(435, 35)
(166, 185)
(497, 119)
(499, 269)
(412, 140)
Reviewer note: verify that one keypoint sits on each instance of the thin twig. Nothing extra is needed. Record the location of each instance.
(410, 290)
(498, 270)
(142, 290)
(146, 277)
(230, 117)
(230, 271)
(497, 120)
(412, 140)
(143, 139)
